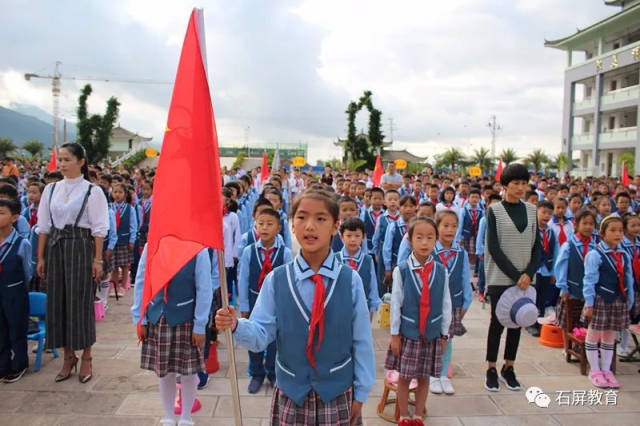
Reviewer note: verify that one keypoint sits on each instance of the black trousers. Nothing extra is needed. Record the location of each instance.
(546, 293)
(495, 330)
(14, 321)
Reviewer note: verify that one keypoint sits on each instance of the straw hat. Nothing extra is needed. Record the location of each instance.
(517, 308)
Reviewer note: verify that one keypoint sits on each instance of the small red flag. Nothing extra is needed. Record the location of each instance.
(53, 162)
(264, 170)
(377, 172)
(625, 175)
(499, 170)
(187, 193)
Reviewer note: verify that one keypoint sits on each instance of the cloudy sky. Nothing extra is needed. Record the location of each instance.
(284, 71)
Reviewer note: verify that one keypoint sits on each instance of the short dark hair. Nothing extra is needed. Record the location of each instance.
(321, 195)
(392, 191)
(623, 194)
(407, 199)
(261, 201)
(531, 194)
(583, 213)
(514, 171)
(420, 219)
(442, 213)
(545, 204)
(575, 195)
(352, 224)
(475, 191)
(345, 200)
(270, 212)
(12, 204)
(560, 200)
(494, 197)
(8, 190)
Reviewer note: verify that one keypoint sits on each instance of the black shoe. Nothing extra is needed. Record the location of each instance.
(255, 384)
(508, 376)
(491, 383)
(534, 331)
(11, 378)
(272, 380)
(203, 380)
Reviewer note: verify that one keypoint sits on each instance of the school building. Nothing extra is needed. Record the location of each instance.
(602, 92)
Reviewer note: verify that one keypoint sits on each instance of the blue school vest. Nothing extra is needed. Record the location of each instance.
(181, 298)
(123, 229)
(395, 245)
(12, 279)
(467, 223)
(144, 228)
(410, 311)
(575, 274)
(546, 259)
(607, 285)
(384, 223)
(364, 270)
(455, 277)
(369, 228)
(255, 266)
(336, 243)
(295, 376)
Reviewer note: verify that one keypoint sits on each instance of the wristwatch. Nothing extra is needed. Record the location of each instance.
(444, 337)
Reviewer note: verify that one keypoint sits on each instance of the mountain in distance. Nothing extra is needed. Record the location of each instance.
(26, 122)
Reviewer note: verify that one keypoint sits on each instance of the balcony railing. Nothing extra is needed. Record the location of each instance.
(628, 93)
(587, 103)
(622, 134)
(582, 141)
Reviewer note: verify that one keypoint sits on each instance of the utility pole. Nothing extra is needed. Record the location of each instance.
(494, 128)
(391, 128)
(55, 88)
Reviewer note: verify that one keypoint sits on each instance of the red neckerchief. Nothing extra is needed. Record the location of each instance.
(562, 236)
(474, 221)
(445, 257)
(617, 256)
(118, 215)
(545, 240)
(34, 217)
(353, 264)
(376, 215)
(266, 265)
(317, 320)
(416, 195)
(635, 263)
(394, 218)
(447, 205)
(225, 210)
(434, 201)
(425, 294)
(585, 245)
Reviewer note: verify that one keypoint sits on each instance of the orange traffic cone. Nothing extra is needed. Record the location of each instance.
(212, 365)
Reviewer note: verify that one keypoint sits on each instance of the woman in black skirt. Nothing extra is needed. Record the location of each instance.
(72, 223)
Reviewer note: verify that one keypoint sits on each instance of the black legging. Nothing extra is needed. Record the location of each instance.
(495, 330)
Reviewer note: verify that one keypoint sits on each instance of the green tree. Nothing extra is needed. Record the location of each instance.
(239, 159)
(450, 158)
(6, 146)
(629, 160)
(561, 162)
(350, 143)
(508, 156)
(34, 147)
(363, 148)
(94, 132)
(537, 159)
(482, 157)
(334, 163)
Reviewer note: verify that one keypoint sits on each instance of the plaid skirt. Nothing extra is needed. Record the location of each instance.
(576, 311)
(122, 256)
(635, 311)
(608, 316)
(456, 328)
(418, 359)
(169, 350)
(313, 412)
(107, 266)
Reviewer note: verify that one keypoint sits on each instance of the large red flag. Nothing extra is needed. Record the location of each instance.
(499, 171)
(377, 172)
(264, 169)
(187, 200)
(625, 175)
(53, 162)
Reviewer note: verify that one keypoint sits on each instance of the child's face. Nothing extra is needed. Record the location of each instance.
(559, 208)
(433, 192)
(623, 204)
(533, 199)
(104, 184)
(408, 210)
(146, 190)
(544, 216)
(349, 209)
(575, 203)
(33, 194)
(267, 227)
(360, 189)
(447, 228)
(406, 181)
(7, 219)
(448, 196)
(604, 206)
(426, 211)
(464, 188)
(613, 233)
(377, 200)
(391, 200)
(314, 226)
(275, 201)
(352, 240)
(474, 199)
(551, 194)
(423, 239)
(417, 186)
(633, 228)
(353, 189)
(118, 194)
(586, 226)
(563, 193)
(366, 196)
(604, 189)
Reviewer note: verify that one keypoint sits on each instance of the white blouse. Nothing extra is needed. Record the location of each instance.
(66, 203)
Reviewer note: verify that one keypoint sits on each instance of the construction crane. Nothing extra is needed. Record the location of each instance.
(55, 90)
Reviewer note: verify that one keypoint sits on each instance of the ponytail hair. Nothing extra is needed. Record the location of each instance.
(78, 151)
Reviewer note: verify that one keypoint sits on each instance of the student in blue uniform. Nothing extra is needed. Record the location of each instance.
(318, 304)
(391, 214)
(394, 234)
(469, 220)
(9, 192)
(347, 208)
(173, 331)
(15, 273)
(456, 261)
(251, 235)
(426, 208)
(370, 216)
(127, 228)
(275, 196)
(353, 255)
(631, 244)
(420, 319)
(256, 261)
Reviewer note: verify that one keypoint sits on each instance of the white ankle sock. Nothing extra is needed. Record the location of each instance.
(606, 355)
(591, 348)
(167, 385)
(189, 388)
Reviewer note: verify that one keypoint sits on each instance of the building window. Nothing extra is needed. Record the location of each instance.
(616, 46)
(130, 143)
(612, 123)
(614, 85)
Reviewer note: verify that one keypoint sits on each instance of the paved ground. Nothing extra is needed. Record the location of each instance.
(121, 393)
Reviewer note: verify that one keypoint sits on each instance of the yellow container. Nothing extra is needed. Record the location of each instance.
(385, 317)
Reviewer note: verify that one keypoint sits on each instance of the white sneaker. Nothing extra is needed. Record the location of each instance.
(434, 385)
(167, 422)
(446, 385)
(186, 423)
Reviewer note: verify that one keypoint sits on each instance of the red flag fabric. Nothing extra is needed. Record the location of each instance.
(377, 172)
(499, 170)
(53, 162)
(264, 169)
(187, 200)
(625, 175)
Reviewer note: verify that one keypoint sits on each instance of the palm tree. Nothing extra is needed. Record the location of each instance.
(482, 157)
(629, 160)
(536, 159)
(452, 157)
(508, 156)
(561, 162)
(6, 146)
(33, 147)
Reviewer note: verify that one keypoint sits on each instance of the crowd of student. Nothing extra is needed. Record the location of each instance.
(576, 241)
